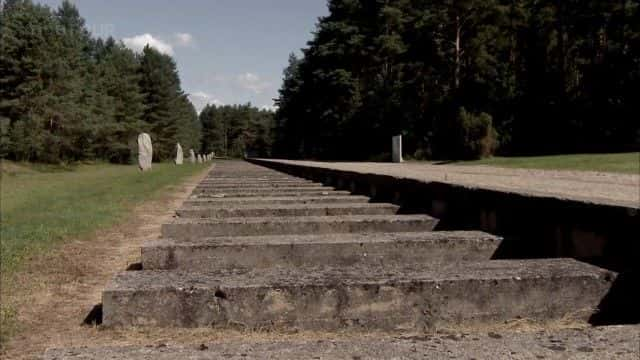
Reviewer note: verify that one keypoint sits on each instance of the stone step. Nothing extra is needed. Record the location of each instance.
(257, 184)
(270, 177)
(258, 180)
(604, 342)
(199, 228)
(386, 249)
(270, 193)
(235, 201)
(287, 210)
(262, 190)
(425, 296)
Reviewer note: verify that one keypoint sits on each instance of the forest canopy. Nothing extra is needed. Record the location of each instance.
(67, 96)
(463, 79)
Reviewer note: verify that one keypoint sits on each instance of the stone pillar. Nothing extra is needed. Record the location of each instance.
(145, 152)
(192, 156)
(396, 149)
(179, 155)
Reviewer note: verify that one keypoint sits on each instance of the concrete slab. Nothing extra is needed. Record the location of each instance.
(287, 210)
(199, 228)
(233, 201)
(270, 193)
(607, 342)
(240, 177)
(385, 249)
(262, 190)
(364, 297)
(258, 184)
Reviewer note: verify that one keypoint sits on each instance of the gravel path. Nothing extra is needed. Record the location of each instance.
(586, 186)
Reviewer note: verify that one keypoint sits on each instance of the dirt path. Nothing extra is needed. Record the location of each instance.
(587, 186)
(62, 287)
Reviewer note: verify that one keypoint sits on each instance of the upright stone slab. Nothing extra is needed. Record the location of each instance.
(396, 149)
(145, 152)
(199, 159)
(179, 155)
(192, 156)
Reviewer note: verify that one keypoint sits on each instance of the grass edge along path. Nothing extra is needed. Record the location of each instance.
(626, 163)
(43, 206)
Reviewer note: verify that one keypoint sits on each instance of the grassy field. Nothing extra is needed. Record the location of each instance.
(621, 163)
(44, 205)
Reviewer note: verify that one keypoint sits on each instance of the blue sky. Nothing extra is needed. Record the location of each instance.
(227, 51)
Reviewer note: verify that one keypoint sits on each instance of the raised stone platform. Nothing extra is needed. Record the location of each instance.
(364, 297)
(612, 342)
(586, 216)
(385, 249)
(267, 210)
(198, 228)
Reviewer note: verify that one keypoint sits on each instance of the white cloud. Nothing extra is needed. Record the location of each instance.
(183, 39)
(137, 43)
(200, 99)
(252, 82)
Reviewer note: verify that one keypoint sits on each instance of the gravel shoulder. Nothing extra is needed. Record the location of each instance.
(584, 186)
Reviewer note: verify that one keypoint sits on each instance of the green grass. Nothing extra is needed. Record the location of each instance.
(620, 163)
(42, 205)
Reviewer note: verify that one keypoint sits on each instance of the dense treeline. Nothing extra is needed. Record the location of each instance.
(66, 96)
(462, 78)
(236, 130)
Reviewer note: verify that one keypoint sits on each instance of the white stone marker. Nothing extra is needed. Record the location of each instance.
(396, 149)
(192, 156)
(179, 155)
(199, 159)
(145, 152)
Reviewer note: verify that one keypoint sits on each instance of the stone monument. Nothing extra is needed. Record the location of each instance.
(145, 152)
(396, 149)
(192, 156)
(179, 155)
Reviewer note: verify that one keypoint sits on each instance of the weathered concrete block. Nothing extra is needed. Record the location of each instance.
(385, 249)
(145, 152)
(261, 193)
(364, 297)
(262, 190)
(287, 210)
(396, 149)
(199, 228)
(258, 184)
(179, 155)
(232, 201)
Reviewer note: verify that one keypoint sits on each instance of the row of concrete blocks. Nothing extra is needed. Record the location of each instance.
(294, 254)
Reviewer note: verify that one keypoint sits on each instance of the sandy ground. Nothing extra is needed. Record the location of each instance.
(587, 186)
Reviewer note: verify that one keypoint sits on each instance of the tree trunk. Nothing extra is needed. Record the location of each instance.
(456, 74)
